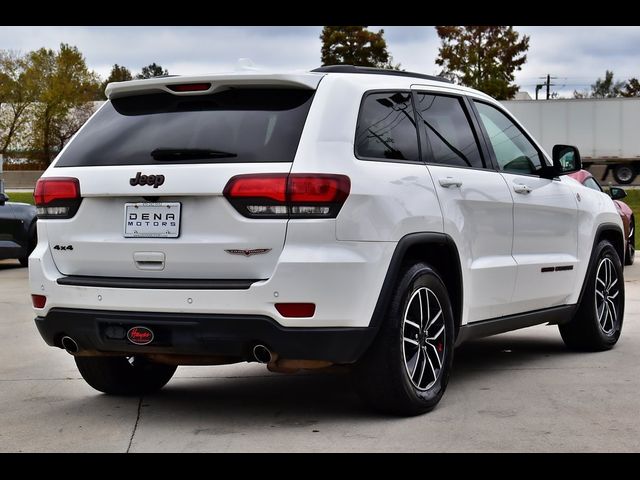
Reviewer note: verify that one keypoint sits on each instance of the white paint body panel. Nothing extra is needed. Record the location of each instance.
(478, 215)
(545, 235)
(338, 264)
(209, 224)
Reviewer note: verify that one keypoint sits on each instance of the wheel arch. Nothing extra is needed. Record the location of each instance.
(439, 251)
(612, 233)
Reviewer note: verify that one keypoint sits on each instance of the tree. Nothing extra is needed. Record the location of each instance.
(353, 45)
(16, 97)
(606, 88)
(64, 85)
(118, 74)
(483, 57)
(631, 88)
(151, 71)
(71, 123)
(581, 94)
(603, 88)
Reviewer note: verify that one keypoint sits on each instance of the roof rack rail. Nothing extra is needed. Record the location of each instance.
(377, 71)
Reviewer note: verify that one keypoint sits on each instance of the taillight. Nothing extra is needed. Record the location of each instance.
(281, 195)
(57, 197)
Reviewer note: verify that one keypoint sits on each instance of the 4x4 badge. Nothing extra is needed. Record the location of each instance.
(248, 253)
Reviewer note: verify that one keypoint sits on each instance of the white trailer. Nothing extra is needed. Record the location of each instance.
(606, 131)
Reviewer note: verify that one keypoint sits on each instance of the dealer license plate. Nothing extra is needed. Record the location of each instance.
(152, 220)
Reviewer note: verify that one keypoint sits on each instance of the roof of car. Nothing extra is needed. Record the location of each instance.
(364, 77)
(378, 71)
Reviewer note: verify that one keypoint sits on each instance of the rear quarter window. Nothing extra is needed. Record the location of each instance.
(386, 128)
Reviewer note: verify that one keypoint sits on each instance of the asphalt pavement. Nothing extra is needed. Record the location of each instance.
(520, 391)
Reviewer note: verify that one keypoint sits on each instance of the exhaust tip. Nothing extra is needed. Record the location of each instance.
(70, 345)
(262, 354)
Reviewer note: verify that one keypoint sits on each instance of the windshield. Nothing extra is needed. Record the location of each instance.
(232, 126)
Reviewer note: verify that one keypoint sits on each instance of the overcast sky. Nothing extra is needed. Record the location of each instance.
(576, 55)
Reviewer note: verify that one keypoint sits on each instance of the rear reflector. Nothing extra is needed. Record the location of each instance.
(299, 310)
(190, 87)
(57, 197)
(281, 195)
(38, 301)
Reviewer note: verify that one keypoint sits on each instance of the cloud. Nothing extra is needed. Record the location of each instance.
(577, 55)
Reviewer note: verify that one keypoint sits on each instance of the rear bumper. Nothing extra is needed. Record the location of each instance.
(195, 334)
(343, 279)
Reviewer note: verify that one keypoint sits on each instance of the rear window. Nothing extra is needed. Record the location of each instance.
(232, 126)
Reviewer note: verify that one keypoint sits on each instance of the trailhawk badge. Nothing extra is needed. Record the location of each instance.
(140, 335)
(248, 253)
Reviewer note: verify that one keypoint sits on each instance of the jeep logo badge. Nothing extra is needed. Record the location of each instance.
(140, 335)
(139, 179)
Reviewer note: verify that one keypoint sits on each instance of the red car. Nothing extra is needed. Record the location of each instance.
(628, 220)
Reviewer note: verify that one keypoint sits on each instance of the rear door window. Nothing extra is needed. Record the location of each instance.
(237, 125)
(448, 130)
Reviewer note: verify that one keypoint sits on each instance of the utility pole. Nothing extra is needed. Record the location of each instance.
(547, 83)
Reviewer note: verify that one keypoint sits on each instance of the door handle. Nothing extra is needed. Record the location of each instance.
(149, 260)
(521, 188)
(450, 182)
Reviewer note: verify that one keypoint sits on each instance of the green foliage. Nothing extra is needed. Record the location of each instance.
(118, 74)
(355, 45)
(607, 88)
(16, 96)
(151, 71)
(631, 88)
(21, 197)
(483, 57)
(633, 200)
(65, 89)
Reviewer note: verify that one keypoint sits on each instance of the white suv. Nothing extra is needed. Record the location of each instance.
(350, 216)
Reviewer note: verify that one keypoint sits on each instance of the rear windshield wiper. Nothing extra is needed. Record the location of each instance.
(189, 154)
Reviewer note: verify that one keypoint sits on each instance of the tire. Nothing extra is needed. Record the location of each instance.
(387, 377)
(597, 324)
(624, 174)
(33, 241)
(124, 376)
(630, 253)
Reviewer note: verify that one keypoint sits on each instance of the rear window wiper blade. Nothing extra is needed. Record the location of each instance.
(189, 154)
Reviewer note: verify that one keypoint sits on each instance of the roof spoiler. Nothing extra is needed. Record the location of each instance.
(203, 84)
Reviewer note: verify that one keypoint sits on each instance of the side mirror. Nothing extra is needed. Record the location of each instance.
(566, 159)
(617, 193)
(3, 199)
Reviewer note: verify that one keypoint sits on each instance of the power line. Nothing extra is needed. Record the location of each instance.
(547, 83)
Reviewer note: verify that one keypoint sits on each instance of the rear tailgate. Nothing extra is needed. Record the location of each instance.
(142, 155)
